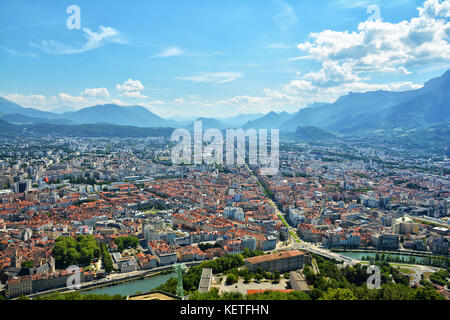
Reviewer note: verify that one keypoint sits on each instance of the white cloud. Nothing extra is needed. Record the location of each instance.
(119, 102)
(434, 8)
(298, 86)
(94, 40)
(352, 4)
(402, 70)
(19, 54)
(332, 74)
(131, 89)
(130, 85)
(187, 99)
(379, 46)
(286, 19)
(96, 93)
(153, 105)
(156, 102)
(67, 98)
(277, 45)
(33, 100)
(169, 52)
(307, 57)
(179, 100)
(41, 102)
(134, 95)
(213, 77)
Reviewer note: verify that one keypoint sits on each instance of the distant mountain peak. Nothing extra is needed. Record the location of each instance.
(271, 120)
(438, 81)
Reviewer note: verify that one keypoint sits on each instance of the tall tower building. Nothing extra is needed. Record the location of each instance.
(15, 263)
(52, 265)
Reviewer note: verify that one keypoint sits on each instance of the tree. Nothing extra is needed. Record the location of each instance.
(232, 296)
(427, 294)
(213, 294)
(277, 295)
(276, 276)
(439, 277)
(316, 294)
(3, 276)
(231, 279)
(78, 296)
(258, 277)
(243, 272)
(394, 291)
(267, 275)
(338, 294)
(246, 253)
(27, 264)
(126, 243)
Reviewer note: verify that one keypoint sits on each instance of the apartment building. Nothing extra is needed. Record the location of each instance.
(281, 261)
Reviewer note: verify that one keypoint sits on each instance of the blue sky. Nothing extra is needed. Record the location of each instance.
(217, 58)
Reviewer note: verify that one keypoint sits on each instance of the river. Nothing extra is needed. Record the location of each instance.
(132, 287)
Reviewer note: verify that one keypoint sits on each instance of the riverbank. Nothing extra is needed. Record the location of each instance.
(87, 286)
(118, 280)
(398, 257)
(122, 281)
(405, 253)
(131, 287)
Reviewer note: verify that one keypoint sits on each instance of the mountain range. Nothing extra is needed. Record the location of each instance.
(120, 115)
(81, 130)
(272, 120)
(350, 114)
(8, 107)
(377, 110)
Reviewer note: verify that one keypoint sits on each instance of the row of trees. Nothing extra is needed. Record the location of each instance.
(77, 296)
(213, 294)
(206, 246)
(440, 262)
(106, 258)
